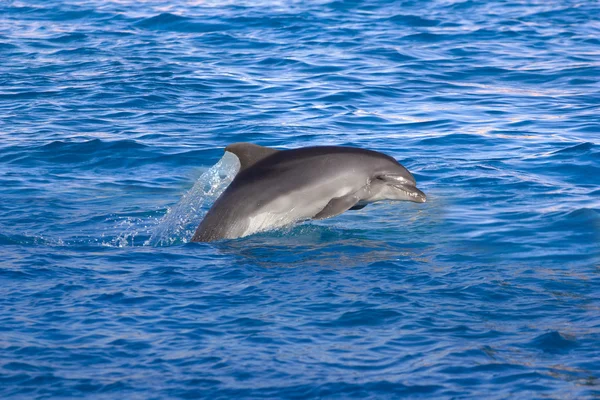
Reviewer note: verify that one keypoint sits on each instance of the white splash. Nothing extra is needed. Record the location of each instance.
(181, 221)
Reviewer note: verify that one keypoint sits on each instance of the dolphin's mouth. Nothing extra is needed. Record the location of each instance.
(412, 193)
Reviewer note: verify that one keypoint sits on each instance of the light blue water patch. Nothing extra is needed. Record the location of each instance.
(114, 116)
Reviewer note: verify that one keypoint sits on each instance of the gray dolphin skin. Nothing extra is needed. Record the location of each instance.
(274, 188)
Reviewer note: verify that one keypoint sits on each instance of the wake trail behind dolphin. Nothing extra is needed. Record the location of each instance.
(180, 222)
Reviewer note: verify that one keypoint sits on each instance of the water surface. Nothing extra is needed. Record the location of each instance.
(111, 111)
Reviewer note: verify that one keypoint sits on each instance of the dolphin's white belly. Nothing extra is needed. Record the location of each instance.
(296, 206)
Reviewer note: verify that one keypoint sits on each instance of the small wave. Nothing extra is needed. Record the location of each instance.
(71, 37)
(412, 20)
(90, 146)
(160, 20)
(29, 240)
(578, 148)
(553, 342)
(89, 154)
(7, 46)
(454, 139)
(365, 317)
(176, 23)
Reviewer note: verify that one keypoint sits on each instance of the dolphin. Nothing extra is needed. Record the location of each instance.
(274, 188)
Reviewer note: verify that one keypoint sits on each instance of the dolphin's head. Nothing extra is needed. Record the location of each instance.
(394, 182)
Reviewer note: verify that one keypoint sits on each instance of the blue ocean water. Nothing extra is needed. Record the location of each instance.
(114, 112)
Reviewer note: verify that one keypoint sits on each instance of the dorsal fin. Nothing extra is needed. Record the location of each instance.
(249, 153)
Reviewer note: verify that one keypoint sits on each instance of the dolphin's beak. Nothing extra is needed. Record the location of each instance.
(412, 193)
